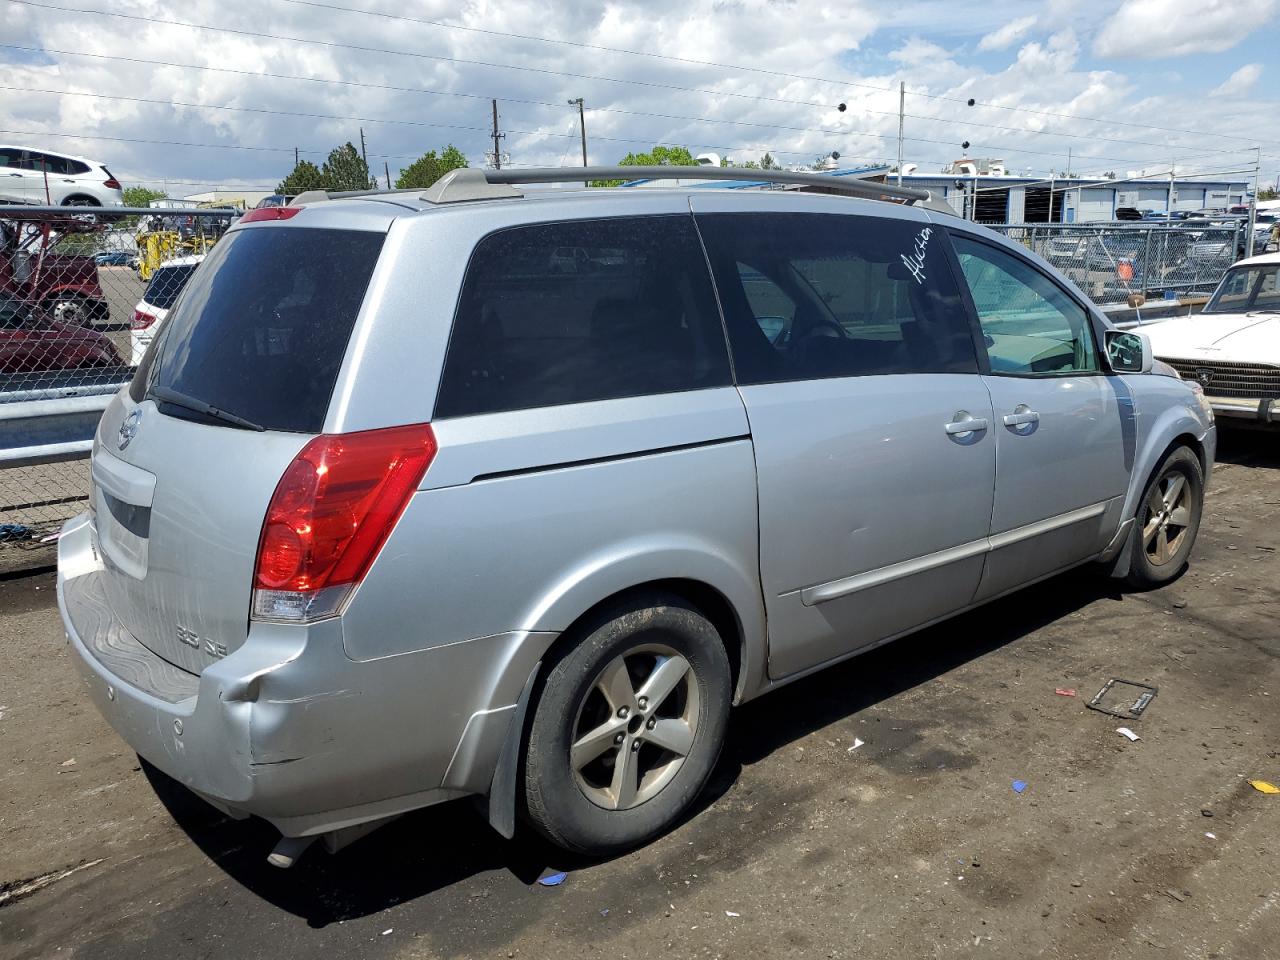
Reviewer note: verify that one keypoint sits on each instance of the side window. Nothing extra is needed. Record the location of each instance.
(808, 296)
(583, 310)
(1031, 327)
(8, 157)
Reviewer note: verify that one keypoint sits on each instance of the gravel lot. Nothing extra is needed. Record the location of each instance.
(914, 845)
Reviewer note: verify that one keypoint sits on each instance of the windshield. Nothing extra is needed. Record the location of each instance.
(1245, 289)
(262, 327)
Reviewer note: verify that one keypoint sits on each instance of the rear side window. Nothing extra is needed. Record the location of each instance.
(583, 310)
(263, 325)
(809, 296)
(165, 285)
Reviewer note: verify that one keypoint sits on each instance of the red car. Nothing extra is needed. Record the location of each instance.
(65, 285)
(31, 341)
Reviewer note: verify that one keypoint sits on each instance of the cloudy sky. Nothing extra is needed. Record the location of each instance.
(221, 92)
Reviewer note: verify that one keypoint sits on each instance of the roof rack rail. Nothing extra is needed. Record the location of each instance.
(470, 183)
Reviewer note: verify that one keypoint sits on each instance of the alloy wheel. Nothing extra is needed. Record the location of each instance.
(634, 727)
(1168, 517)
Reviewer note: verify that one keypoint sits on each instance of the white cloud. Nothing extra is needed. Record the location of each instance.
(735, 111)
(1240, 82)
(1151, 29)
(1007, 35)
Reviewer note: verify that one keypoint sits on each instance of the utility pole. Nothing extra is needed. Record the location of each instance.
(497, 139)
(902, 104)
(386, 168)
(295, 157)
(582, 126)
(363, 155)
(1253, 207)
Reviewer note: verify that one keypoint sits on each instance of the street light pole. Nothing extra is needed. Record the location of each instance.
(582, 127)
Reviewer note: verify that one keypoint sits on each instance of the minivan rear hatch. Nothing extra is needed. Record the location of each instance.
(236, 382)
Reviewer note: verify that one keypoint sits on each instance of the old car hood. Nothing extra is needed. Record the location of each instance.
(1232, 337)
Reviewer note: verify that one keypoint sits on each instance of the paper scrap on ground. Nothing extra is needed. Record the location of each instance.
(730, 913)
(856, 744)
(1126, 732)
(553, 880)
(1263, 787)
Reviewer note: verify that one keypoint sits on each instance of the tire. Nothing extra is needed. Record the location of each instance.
(1167, 521)
(585, 803)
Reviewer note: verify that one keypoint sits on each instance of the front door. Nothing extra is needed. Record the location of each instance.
(1061, 473)
(875, 458)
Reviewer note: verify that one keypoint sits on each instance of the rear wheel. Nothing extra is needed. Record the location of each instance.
(628, 727)
(1167, 521)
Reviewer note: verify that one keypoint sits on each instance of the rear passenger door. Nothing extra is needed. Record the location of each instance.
(872, 429)
(1060, 462)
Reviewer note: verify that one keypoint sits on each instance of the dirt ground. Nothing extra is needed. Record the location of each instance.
(913, 845)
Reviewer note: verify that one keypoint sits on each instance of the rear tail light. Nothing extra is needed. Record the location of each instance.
(270, 213)
(332, 511)
(112, 184)
(142, 320)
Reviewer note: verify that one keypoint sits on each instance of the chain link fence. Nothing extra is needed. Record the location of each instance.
(1113, 262)
(81, 294)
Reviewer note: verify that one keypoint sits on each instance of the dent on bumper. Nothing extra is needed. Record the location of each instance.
(289, 729)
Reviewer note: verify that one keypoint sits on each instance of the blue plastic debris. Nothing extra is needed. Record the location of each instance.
(553, 880)
(1019, 786)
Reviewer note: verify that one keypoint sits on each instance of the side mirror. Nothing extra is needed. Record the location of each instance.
(1129, 352)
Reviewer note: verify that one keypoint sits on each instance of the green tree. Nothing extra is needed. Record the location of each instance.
(768, 163)
(429, 168)
(305, 176)
(659, 156)
(142, 196)
(346, 170)
(1268, 193)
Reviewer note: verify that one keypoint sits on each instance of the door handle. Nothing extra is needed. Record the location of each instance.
(1021, 417)
(966, 424)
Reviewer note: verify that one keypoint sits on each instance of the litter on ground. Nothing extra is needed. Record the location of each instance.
(1065, 691)
(856, 744)
(1126, 732)
(553, 879)
(1263, 787)
(1019, 786)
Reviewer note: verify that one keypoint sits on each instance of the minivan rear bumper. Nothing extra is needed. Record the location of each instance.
(287, 727)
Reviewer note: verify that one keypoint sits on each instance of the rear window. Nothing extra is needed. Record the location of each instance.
(583, 310)
(262, 328)
(166, 283)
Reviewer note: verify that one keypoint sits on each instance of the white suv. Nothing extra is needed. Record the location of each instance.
(38, 176)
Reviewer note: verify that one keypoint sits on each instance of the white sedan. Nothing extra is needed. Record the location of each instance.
(1232, 348)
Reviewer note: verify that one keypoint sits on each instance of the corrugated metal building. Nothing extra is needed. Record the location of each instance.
(1074, 200)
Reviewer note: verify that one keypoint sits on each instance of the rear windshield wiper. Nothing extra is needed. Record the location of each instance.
(168, 395)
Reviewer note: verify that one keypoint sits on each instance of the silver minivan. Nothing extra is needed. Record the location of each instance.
(405, 505)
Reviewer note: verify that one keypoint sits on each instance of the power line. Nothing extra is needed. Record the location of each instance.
(461, 127)
(666, 116)
(541, 70)
(749, 69)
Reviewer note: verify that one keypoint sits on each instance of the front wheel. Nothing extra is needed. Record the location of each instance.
(628, 727)
(1167, 521)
